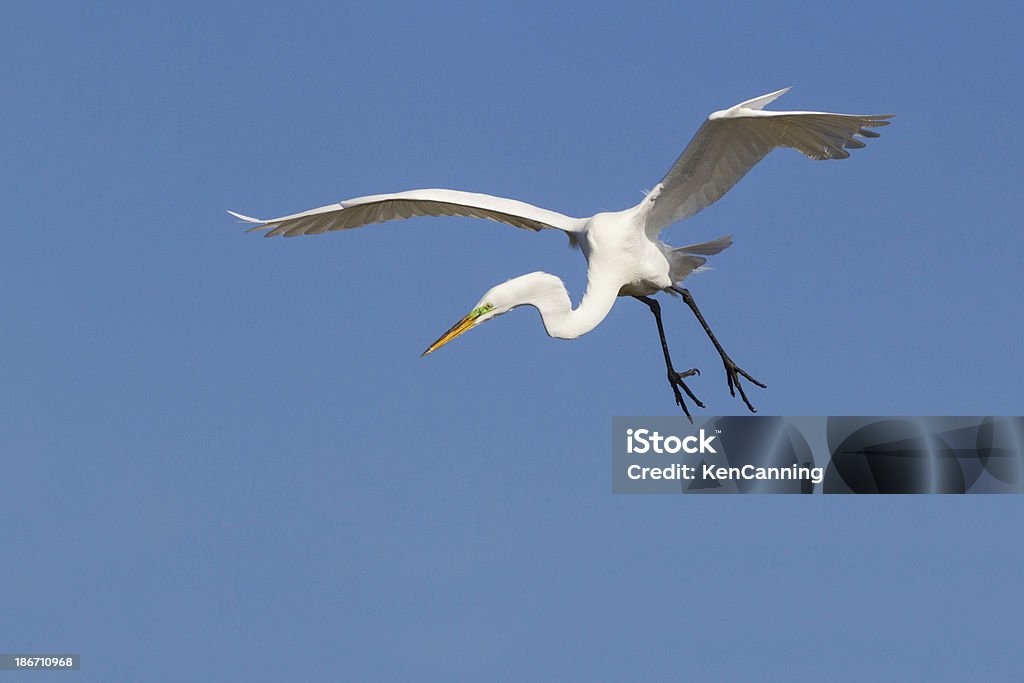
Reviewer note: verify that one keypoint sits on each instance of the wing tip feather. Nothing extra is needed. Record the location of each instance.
(247, 219)
(764, 100)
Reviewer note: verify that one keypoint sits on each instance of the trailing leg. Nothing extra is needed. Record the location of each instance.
(675, 379)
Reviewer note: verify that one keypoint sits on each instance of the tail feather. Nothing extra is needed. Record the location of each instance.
(691, 259)
(707, 248)
(682, 265)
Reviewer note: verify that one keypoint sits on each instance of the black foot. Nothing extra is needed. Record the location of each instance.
(675, 380)
(732, 373)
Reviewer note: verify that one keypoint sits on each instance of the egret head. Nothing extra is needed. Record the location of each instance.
(526, 289)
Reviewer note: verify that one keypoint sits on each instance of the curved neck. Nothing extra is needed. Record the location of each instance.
(560, 319)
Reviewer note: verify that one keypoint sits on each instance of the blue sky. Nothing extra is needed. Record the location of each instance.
(224, 457)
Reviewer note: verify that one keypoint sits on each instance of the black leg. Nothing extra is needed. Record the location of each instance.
(675, 379)
(732, 371)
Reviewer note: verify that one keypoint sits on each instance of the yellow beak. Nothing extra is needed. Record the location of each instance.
(456, 329)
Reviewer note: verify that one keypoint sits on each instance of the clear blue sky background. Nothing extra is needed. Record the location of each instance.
(223, 457)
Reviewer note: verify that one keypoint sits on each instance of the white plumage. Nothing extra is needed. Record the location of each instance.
(623, 252)
(732, 141)
(378, 208)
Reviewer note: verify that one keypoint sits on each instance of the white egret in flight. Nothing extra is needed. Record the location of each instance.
(625, 256)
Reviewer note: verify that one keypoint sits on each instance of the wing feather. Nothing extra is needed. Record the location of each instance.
(354, 213)
(733, 141)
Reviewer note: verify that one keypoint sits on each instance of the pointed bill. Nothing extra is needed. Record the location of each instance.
(456, 329)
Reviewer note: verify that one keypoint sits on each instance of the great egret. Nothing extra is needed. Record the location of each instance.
(624, 255)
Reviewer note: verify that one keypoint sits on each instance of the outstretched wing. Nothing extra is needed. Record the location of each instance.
(353, 213)
(732, 141)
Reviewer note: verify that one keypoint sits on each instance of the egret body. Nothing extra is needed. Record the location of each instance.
(625, 255)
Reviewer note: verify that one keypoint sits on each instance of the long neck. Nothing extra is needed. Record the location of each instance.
(560, 319)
